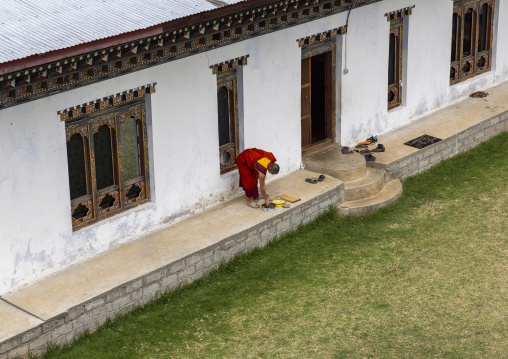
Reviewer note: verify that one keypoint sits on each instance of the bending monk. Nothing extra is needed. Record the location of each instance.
(253, 165)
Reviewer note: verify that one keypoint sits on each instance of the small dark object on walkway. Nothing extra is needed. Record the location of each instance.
(311, 180)
(479, 94)
(422, 141)
(379, 148)
(372, 139)
(370, 158)
(321, 178)
(365, 151)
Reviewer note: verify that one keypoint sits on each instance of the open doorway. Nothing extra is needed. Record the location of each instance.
(317, 101)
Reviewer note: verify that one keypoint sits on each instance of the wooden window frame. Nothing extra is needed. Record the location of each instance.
(463, 67)
(229, 80)
(87, 127)
(394, 88)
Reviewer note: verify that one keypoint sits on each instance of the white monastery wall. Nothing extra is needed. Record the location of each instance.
(37, 239)
(427, 88)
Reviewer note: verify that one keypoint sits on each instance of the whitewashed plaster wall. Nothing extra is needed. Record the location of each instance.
(37, 238)
(364, 88)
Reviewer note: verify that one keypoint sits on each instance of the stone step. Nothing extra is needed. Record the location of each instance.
(333, 163)
(390, 193)
(368, 186)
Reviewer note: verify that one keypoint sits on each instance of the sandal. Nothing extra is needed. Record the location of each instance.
(365, 151)
(311, 180)
(372, 139)
(253, 205)
(321, 178)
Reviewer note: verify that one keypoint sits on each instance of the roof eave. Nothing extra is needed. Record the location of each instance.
(56, 55)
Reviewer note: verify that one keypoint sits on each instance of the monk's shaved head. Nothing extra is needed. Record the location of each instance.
(273, 168)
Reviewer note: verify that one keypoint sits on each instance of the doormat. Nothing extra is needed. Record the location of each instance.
(422, 141)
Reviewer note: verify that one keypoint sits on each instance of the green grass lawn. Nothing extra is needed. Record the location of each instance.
(424, 278)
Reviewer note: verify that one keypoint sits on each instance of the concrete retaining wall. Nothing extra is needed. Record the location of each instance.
(89, 315)
(432, 155)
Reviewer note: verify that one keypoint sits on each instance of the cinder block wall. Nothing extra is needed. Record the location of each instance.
(432, 155)
(90, 315)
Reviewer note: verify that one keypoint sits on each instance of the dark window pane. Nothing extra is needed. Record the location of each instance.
(130, 148)
(107, 202)
(103, 157)
(133, 192)
(392, 60)
(455, 33)
(76, 161)
(80, 212)
(468, 33)
(483, 27)
(225, 106)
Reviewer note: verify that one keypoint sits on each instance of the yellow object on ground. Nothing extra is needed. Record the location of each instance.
(278, 202)
(290, 198)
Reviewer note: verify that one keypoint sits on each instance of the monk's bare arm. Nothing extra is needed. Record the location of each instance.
(262, 186)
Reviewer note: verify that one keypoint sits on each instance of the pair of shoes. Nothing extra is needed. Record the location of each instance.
(346, 150)
(372, 139)
(321, 178)
(361, 146)
(370, 158)
(366, 143)
(311, 180)
(365, 151)
(379, 148)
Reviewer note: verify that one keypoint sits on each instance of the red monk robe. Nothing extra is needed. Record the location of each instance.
(246, 166)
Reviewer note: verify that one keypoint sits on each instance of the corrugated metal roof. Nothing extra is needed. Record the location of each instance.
(29, 27)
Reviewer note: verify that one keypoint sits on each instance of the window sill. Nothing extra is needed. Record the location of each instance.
(396, 109)
(93, 226)
(230, 173)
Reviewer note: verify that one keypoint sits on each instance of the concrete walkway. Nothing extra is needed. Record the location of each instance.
(460, 126)
(59, 308)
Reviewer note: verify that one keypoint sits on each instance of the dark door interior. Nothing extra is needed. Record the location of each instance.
(316, 99)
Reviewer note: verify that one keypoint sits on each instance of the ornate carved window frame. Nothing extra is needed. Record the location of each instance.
(125, 193)
(395, 64)
(227, 77)
(465, 66)
(395, 60)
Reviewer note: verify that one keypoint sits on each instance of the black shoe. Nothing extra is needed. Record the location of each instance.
(372, 139)
(370, 158)
(364, 152)
(379, 148)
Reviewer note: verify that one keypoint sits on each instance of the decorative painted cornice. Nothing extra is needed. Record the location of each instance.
(104, 103)
(399, 14)
(330, 34)
(56, 77)
(229, 65)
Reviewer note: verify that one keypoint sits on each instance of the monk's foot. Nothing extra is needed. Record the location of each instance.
(253, 204)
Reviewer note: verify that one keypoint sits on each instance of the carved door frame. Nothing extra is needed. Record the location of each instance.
(327, 46)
